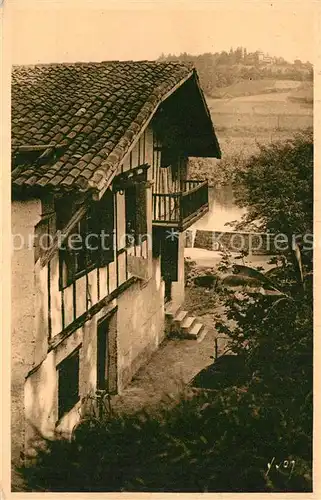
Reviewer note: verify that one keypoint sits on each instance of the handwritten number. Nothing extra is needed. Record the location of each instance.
(285, 464)
(269, 466)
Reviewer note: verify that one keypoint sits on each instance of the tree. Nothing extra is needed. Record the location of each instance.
(226, 440)
(276, 187)
(221, 441)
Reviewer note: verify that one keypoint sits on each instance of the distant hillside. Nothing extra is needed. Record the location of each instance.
(224, 69)
(255, 87)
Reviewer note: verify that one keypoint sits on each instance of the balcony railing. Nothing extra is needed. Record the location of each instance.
(181, 210)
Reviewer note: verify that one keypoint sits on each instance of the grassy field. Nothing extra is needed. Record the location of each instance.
(255, 87)
(244, 123)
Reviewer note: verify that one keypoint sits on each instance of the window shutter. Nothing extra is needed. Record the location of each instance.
(105, 222)
(141, 210)
(67, 268)
(130, 214)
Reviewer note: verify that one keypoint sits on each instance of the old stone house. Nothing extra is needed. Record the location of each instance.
(97, 148)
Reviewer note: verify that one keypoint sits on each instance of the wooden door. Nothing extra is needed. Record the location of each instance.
(169, 262)
(103, 358)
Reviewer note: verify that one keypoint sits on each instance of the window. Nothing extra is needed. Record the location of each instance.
(68, 383)
(80, 252)
(136, 216)
(90, 242)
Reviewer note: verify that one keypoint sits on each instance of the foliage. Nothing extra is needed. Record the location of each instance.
(276, 187)
(224, 441)
(216, 172)
(221, 69)
(212, 441)
(275, 335)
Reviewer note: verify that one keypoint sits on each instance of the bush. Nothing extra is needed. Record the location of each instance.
(213, 442)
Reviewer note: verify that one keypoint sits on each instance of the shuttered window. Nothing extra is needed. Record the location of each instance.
(90, 242)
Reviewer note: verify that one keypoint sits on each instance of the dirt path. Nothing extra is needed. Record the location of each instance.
(169, 370)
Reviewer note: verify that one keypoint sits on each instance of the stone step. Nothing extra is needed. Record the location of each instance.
(197, 332)
(195, 329)
(188, 322)
(171, 311)
(202, 334)
(180, 316)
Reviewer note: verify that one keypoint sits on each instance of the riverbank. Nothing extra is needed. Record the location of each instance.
(210, 258)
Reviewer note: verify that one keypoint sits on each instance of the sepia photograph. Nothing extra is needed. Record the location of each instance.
(162, 250)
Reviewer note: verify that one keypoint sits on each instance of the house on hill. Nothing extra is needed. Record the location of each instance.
(101, 200)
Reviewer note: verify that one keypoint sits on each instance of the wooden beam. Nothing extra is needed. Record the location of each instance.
(57, 339)
(48, 255)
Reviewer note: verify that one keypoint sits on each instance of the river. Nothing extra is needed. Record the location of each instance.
(222, 209)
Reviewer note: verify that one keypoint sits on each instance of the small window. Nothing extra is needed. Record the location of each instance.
(68, 383)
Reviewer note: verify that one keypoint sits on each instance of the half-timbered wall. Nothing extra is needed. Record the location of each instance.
(62, 306)
(168, 175)
(24, 216)
(63, 319)
(69, 303)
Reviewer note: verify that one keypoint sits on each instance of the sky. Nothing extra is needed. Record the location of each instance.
(97, 30)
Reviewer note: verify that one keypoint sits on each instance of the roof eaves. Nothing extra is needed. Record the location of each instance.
(208, 115)
(98, 183)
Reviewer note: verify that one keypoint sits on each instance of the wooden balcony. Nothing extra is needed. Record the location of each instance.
(181, 210)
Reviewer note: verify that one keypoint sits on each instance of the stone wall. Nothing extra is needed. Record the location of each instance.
(24, 216)
(140, 324)
(136, 329)
(255, 243)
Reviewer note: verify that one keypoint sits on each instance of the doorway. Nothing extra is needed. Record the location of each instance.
(168, 291)
(103, 354)
(169, 263)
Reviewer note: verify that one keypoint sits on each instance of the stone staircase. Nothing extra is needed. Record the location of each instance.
(179, 323)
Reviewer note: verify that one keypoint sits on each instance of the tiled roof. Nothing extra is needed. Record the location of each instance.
(88, 113)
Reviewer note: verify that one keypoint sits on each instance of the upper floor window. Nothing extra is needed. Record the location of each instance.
(90, 243)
